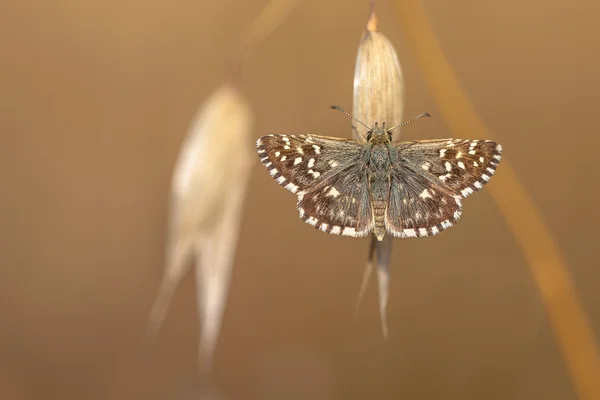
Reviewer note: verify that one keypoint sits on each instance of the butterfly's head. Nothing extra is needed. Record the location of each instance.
(379, 134)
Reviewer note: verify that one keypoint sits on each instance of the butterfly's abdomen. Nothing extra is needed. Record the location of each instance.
(379, 208)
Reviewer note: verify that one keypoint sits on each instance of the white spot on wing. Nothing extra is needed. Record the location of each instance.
(333, 192)
(349, 231)
(409, 232)
(424, 194)
(461, 165)
(311, 163)
(312, 221)
(317, 149)
(444, 177)
(291, 187)
(297, 160)
(336, 230)
(442, 152)
(448, 166)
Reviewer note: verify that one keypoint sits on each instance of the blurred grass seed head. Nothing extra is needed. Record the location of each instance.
(208, 187)
(378, 97)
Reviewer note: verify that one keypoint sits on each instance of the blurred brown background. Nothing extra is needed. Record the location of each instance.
(96, 99)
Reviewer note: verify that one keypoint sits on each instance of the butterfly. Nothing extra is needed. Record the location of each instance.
(352, 188)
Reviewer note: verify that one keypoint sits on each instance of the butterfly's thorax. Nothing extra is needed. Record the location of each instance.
(379, 180)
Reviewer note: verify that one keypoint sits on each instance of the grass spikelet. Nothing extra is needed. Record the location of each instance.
(207, 192)
(378, 97)
(378, 82)
(208, 189)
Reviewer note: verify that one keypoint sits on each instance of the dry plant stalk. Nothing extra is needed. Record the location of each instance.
(547, 265)
(208, 187)
(378, 97)
(275, 12)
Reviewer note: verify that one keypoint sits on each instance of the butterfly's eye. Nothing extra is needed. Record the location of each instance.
(389, 134)
(369, 134)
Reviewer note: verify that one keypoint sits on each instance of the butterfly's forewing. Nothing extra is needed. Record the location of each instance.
(429, 178)
(298, 162)
(327, 174)
(463, 166)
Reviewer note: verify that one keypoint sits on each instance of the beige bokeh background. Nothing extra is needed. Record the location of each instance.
(96, 99)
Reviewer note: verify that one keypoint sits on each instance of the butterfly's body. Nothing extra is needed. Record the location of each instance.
(378, 162)
(408, 189)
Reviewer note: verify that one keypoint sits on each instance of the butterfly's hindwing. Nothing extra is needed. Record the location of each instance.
(340, 204)
(328, 177)
(419, 206)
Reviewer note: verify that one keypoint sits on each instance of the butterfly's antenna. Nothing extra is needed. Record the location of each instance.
(410, 120)
(354, 119)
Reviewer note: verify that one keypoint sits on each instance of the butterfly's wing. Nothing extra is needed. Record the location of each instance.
(328, 175)
(339, 204)
(429, 179)
(464, 166)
